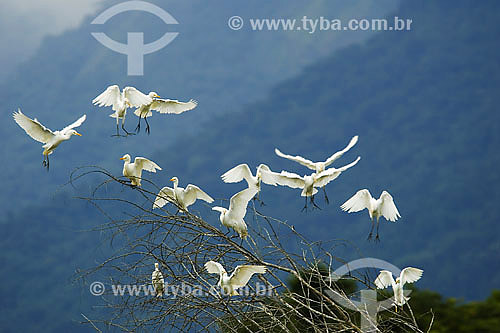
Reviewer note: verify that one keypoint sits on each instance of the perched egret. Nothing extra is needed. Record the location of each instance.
(42, 134)
(238, 279)
(408, 275)
(383, 206)
(242, 171)
(307, 183)
(183, 197)
(121, 101)
(319, 166)
(233, 217)
(162, 106)
(158, 281)
(133, 171)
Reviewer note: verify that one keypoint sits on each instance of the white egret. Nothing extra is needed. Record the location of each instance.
(383, 206)
(233, 217)
(408, 275)
(183, 197)
(158, 281)
(242, 171)
(238, 279)
(133, 171)
(40, 133)
(121, 101)
(162, 106)
(319, 166)
(307, 183)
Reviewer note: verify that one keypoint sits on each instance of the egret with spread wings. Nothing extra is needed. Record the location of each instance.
(307, 183)
(121, 101)
(162, 106)
(133, 171)
(238, 279)
(40, 133)
(408, 275)
(183, 197)
(383, 206)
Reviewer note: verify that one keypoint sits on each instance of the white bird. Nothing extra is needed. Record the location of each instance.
(319, 166)
(383, 206)
(133, 171)
(242, 171)
(307, 183)
(408, 275)
(238, 279)
(183, 197)
(162, 106)
(158, 281)
(121, 101)
(233, 217)
(42, 134)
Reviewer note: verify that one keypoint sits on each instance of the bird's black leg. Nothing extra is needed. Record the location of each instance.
(48, 163)
(314, 204)
(147, 125)
(371, 231)
(377, 238)
(257, 198)
(305, 206)
(117, 131)
(326, 197)
(127, 132)
(138, 127)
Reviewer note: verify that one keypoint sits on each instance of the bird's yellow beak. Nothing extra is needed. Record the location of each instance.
(172, 180)
(76, 133)
(157, 96)
(122, 158)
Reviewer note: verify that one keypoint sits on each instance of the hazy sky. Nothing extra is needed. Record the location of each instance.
(24, 24)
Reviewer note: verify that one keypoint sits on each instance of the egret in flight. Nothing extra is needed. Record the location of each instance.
(307, 183)
(133, 171)
(121, 101)
(238, 279)
(408, 275)
(183, 197)
(319, 166)
(158, 281)
(42, 134)
(233, 217)
(162, 106)
(242, 171)
(383, 206)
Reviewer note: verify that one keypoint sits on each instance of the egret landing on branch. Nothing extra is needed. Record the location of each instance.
(408, 275)
(383, 206)
(133, 171)
(307, 183)
(120, 102)
(158, 281)
(183, 197)
(42, 134)
(233, 217)
(162, 106)
(238, 279)
(319, 166)
(242, 171)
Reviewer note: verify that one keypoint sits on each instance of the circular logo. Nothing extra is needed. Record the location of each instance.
(235, 22)
(97, 288)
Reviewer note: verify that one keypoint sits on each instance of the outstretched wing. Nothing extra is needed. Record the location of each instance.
(410, 275)
(388, 208)
(284, 178)
(213, 267)
(239, 202)
(163, 196)
(75, 124)
(193, 192)
(297, 158)
(339, 154)
(384, 280)
(111, 96)
(243, 273)
(136, 98)
(146, 164)
(33, 127)
(357, 202)
(328, 175)
(172, 105)
(238, 173)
